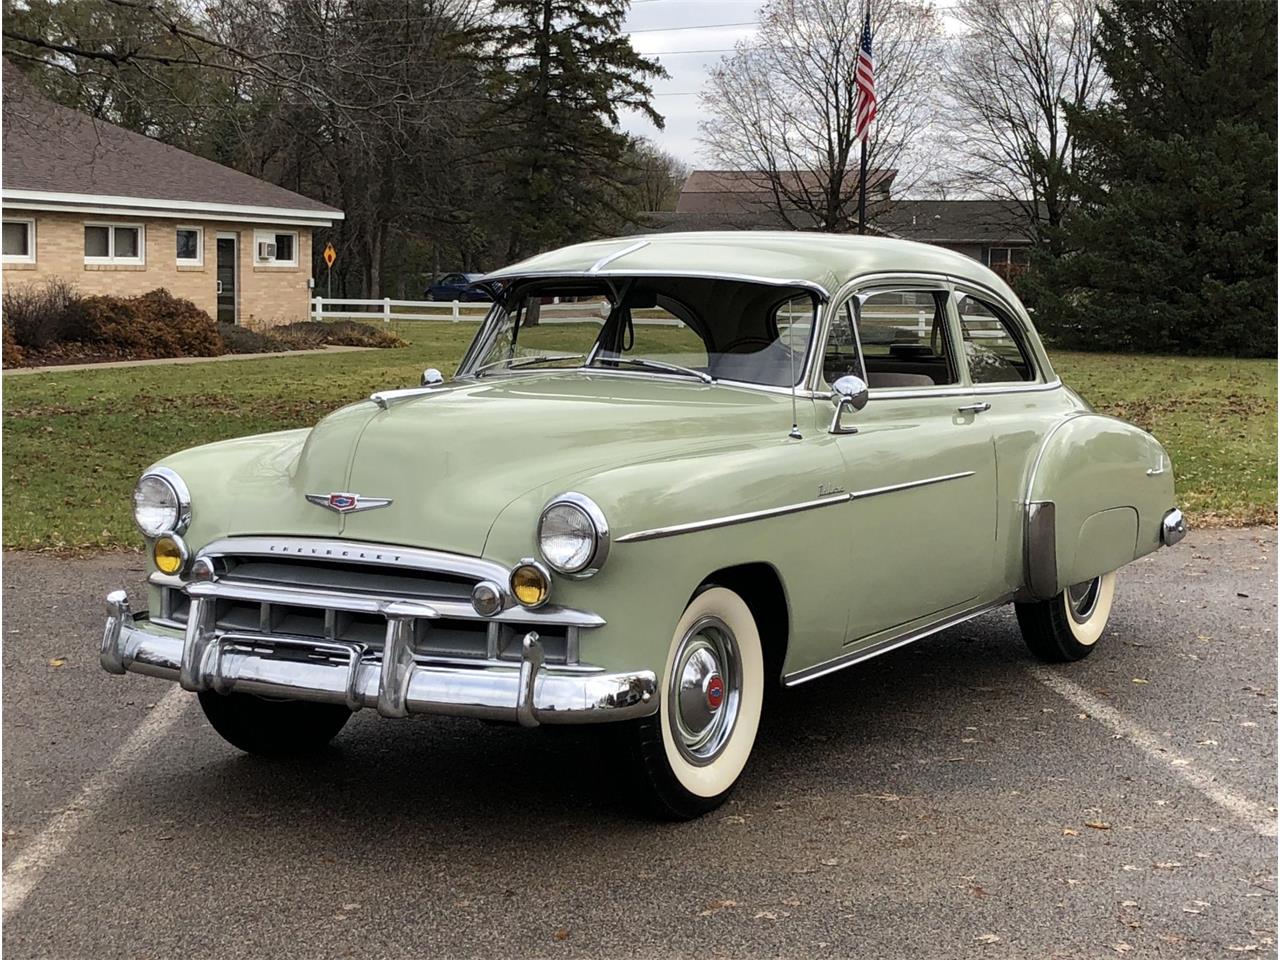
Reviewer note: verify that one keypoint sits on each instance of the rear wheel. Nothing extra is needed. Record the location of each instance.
(691, 753)
(1069, 626)
(273, 728)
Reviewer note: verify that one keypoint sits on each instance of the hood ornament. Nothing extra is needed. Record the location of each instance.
(347, 502)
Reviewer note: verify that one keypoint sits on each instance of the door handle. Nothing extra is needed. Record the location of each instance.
(975, 408)
(219, 286)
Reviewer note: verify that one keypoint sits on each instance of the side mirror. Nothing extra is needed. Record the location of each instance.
(847, 393)
(431, 377)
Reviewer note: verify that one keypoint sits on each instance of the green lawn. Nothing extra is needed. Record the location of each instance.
(74, 443)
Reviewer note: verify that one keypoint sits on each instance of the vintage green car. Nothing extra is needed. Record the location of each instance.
(670, 472)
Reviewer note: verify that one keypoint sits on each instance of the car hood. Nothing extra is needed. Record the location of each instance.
(450, 460)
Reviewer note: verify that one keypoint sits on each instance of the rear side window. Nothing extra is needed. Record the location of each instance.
(992, 349)
(905, 343)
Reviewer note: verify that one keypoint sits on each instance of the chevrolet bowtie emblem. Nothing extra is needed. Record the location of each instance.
(347, 502)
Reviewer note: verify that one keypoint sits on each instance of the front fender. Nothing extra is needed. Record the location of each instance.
(1097, 493)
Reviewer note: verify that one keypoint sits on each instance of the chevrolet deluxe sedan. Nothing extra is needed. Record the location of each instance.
(721, 462)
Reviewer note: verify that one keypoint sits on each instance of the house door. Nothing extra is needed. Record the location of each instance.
(227, 277)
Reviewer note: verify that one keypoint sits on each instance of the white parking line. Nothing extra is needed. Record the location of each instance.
(22, 873)
(1254, 815)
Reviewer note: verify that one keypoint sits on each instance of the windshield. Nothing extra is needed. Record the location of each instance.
(705, 329)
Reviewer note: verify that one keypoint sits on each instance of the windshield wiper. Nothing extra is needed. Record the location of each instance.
(661, 365)
(526, 362)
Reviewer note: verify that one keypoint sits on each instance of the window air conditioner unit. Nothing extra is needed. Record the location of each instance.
(266, 250)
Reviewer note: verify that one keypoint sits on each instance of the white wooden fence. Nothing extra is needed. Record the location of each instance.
(387, 310)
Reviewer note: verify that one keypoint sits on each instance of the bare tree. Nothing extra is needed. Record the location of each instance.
(781, 106)
(1009, 80)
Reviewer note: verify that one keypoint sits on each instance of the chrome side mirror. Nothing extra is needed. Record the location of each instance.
(847, 393)
(431, 377)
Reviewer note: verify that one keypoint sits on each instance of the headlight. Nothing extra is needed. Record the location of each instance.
(161, 503)
(573, 535)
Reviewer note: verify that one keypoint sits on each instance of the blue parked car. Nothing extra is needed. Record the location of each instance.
(457, 286)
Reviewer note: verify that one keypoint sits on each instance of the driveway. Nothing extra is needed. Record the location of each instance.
(951, 798)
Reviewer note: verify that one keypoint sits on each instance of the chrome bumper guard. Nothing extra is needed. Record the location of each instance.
(1173, 528)
(395, 683)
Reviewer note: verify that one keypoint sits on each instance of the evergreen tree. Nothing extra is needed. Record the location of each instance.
(561, 70)
(1173, 246)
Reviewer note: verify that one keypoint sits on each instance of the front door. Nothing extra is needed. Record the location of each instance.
(920, 470)
(227, 275)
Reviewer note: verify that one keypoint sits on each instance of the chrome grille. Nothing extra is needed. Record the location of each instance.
(450, 637)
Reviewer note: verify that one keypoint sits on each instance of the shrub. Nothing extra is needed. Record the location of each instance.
(156, 324)
(340, 333)
(39, 314)
(12, 356)
(240, 339)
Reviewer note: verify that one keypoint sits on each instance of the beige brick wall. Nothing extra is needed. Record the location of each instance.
(267, 294)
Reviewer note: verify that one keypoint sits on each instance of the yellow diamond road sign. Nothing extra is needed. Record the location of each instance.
(330, 254)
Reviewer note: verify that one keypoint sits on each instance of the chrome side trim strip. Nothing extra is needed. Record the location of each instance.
(909, 485)
(693, 274)
(731, 520)
(609, 258)
(887, 644)
(727, 521)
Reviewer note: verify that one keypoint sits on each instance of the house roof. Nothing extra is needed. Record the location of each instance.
(955, 221)
(731, 191)
(822, 262)
(58, 158)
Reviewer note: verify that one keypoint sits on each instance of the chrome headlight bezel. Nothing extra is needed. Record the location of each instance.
(589, 510)
(178, 515)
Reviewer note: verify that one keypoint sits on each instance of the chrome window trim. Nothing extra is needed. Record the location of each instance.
(810, 285)
(616, 255)
(1017, 331)
(1027, 330)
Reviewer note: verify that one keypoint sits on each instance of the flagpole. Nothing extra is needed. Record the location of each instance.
(862, 169)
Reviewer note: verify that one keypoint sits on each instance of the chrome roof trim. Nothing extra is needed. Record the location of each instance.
(609, 258)
(809, 285)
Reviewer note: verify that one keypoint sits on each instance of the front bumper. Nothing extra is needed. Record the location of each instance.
(392, 681)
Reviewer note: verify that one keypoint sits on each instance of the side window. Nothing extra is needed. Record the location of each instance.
(991, 349)
(840, 358)
(905, 343)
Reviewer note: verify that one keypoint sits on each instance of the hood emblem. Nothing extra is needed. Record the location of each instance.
(347, 502)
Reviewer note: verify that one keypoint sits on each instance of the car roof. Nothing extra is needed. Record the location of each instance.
(822, 262)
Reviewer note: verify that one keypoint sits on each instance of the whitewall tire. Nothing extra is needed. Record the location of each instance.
(692, 752)
(1068, 626)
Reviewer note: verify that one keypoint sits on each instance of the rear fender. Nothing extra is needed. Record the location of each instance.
(1097, 493)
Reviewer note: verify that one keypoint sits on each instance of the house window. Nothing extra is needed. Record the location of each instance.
(113, 243)
(190, 246)
(19, 241)
(276, 249)
(1008, 262)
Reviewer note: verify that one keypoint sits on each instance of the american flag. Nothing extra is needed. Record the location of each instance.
(864, 83)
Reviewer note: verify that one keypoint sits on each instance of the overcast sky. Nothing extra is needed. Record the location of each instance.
(688, 37)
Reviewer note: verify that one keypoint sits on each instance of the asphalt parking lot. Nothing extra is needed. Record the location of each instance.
(951, 798)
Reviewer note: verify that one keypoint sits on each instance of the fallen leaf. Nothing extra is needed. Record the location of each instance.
(57, 661)
(987, 938)
(716, 905)
(1121, 947)
(830, 862)
(562, 934)
(1246, 948)
(1168, 865)
(1097, 824)
(1140, 680)
(765, 915)
(1128, 903)
(1068, 832)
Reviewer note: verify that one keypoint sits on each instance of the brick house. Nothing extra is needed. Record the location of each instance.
(115, 212)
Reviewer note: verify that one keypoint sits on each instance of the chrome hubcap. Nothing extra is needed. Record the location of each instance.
(1082, 598)
(706, 682)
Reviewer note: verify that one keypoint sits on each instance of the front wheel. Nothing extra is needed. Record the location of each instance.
(273, 728)
(691, 753)
(1068, 626)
